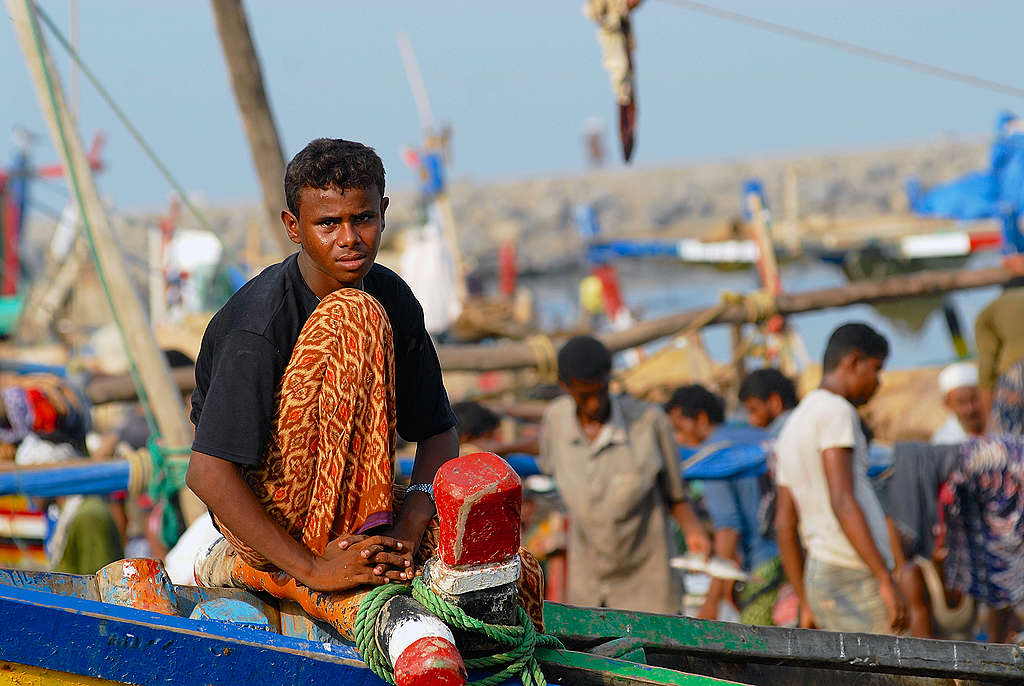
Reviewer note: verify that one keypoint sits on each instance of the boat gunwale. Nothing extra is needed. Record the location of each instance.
(676, 635)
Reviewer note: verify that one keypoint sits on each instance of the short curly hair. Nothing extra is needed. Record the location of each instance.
(693, 399)
(332, 163)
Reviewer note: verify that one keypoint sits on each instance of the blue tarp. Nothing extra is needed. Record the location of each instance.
(523, 464)
(607, 251)
(997, 192)
(732, 450)
(729, 461)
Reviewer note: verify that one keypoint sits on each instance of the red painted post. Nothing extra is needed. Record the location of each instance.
(430, 661)
(420, 646)
(475, 567)
(479, 498)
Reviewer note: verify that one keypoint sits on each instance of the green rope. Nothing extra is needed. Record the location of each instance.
(518, 642)
(168, 478)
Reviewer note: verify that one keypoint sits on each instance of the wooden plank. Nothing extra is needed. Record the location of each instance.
(71, 585)
(190, 596)
(295, 622)
(568, 667)
(772, 674)
(522, 355)
(154, 373)
(120, 387)
(683, 636)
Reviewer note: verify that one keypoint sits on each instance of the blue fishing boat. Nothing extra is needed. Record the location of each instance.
(59, 632)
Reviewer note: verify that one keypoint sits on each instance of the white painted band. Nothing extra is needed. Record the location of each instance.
(692, 250)
(412, 629)
(936, 245)
(452, 581)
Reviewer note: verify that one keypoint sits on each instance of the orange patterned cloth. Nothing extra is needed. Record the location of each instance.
(328, 467)
(221, 565)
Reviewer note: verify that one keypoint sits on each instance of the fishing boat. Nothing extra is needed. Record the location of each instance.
(60, 632)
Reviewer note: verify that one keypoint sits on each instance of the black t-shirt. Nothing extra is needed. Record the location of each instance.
(248, 344)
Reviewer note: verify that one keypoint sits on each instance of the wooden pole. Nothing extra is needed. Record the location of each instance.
(50, 293)
(739, 360)
(791, 209)
(154, 373)
(251, 96)
(767, 265)
(520, 355)
(435, 143)
(416, 82)
(73, 67)
(157, 283)
(119, 388)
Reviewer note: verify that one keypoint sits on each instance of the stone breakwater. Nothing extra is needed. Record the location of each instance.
(688, 200)
(692, 199)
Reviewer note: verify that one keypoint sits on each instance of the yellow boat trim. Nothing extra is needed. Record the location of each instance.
(23, 675)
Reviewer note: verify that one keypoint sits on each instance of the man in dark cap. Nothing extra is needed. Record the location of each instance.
(615, 462)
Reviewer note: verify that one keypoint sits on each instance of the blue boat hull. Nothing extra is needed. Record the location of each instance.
(125, 645)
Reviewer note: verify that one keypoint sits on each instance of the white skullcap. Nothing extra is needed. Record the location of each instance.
(958, 375)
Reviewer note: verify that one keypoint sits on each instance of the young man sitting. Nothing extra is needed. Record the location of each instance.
(302, 379)
(731, 461)
(822, 477)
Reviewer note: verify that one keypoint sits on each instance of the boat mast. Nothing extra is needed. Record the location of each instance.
(432, 138)
(251, 96)
(153, 373)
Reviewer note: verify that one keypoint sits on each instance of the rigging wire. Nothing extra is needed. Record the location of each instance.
(134, 132)
(853, 48)
(62, 138)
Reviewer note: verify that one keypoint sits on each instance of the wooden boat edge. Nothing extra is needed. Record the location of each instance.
(678, 636)
(73, 635)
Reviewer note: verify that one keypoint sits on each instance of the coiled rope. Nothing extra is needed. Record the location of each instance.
(169, 467)
(547, 357)
(519, 642)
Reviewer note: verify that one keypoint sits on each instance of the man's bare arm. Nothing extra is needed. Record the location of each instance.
(418, 510)
(219, 484)
(790, 551)
(839, 474)
(697, 540)
(725, 543)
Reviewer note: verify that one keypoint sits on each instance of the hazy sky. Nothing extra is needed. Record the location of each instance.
(517, 80)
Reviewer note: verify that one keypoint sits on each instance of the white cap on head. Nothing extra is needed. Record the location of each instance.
(958, 375)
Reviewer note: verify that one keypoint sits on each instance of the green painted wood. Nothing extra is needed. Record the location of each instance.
(623, 649)
(675, 638)
(568, 667)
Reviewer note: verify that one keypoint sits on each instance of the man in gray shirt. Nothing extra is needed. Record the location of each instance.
(617, 467)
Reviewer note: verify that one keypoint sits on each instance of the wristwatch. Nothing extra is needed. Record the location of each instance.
(423, 488)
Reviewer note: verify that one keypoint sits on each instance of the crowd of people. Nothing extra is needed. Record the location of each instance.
(920, 538)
